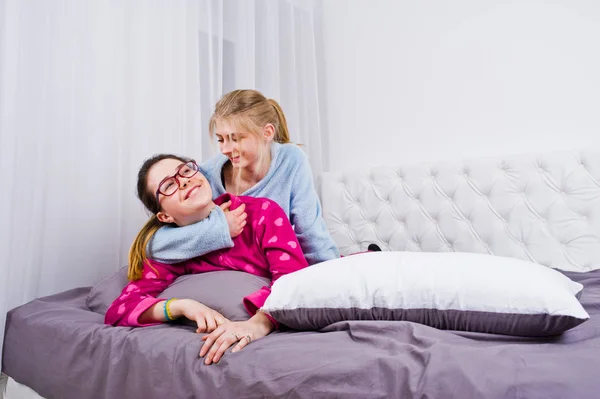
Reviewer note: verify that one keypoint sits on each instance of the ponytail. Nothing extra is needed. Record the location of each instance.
(137, 252)
(282, 135)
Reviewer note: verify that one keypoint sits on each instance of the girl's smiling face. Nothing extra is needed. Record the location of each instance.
(244, 149)
(192, 197)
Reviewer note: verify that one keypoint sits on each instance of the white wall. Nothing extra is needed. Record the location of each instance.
(431, 80)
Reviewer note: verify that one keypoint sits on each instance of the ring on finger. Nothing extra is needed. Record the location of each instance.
(248, 338)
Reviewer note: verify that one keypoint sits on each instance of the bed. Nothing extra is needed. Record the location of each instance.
(543, 208)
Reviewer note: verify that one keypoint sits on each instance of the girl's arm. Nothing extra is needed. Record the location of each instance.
(140, 295)
(137, 306)
(177, 244)
(207, 319)
(306, 215)
(281, 248)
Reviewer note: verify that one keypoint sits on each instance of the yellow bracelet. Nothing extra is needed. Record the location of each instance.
(168, 314)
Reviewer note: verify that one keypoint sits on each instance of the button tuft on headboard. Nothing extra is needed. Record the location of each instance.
(521, 206)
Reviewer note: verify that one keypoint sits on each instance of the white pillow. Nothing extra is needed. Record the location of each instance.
(453, 291)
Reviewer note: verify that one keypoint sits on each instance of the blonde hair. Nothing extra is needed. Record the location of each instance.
(137, 252)
(252, 111)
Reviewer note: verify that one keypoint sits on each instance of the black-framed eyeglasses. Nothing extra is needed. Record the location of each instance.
(170, 184)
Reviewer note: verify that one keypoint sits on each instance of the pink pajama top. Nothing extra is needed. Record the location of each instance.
(267, 247)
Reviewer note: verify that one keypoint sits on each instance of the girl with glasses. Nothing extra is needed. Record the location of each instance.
(172, 189)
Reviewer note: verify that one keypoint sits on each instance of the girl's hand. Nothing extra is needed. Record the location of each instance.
(242, 333)
(236, 219)
(206, 318)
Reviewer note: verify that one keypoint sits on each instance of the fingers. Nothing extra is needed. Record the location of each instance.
(239, 210)
(238, 230)
(210, 339)
(219, 347)
(225, 205)
(243, 342)
(236, 220)
(211, 323)
(214, 320)
(216, 344)
(240, 219)
(200, 320)
(221, 350)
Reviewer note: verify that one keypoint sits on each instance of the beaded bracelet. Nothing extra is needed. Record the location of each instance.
(167, 310)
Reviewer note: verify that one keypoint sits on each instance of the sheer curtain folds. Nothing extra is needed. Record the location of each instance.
(89, 89)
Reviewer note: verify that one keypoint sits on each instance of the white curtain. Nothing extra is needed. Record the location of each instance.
(271, 46)
(89, 89)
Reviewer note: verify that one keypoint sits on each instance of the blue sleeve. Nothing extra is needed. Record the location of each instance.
(176, 244)
(306, 216)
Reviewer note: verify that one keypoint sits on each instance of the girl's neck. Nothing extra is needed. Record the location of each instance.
(238, 181)
(198, 216)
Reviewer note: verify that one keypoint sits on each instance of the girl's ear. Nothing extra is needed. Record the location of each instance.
(269, 132)
(165, 218)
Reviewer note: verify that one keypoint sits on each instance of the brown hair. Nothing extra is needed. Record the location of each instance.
(252, 111)
(137, 252)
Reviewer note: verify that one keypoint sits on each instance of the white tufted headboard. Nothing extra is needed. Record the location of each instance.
(540, 207)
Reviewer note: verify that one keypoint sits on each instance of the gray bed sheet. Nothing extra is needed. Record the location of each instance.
(61, 349)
